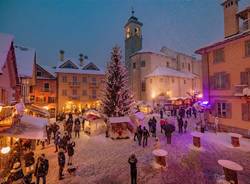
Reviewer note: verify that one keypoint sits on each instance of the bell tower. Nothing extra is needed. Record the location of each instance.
(133, 37)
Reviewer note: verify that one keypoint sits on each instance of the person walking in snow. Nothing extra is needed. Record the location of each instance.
(180, 124)
(70, 150)
(57, 140)
(77, 127)
(145, 134)
(185, 126)
(61, 162)
(133, 169)
(139, 135)
(42, 167)
(161, 113)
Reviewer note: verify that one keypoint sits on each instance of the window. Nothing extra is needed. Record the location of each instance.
(172, 80)
(74, 78)
(51, 99)
(245, 109)
(84, 79)
(218, 55)
(143, 63)
(38, 74)
(223, 109)
(31, 89)
(74, 92)
(143, 86)
(64, 78)
(245, 77)
(46, 87)
(94, 81)
(64, 92)
(220, 81)
(189, 67)
(84, 93)
(94, 94)
(134, 65)
(247, 48)
(167, 64)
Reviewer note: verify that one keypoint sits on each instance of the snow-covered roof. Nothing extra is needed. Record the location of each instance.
(164, 71)
(79, 69)
(49, 69)
(5, 43)
(152, 51)
(25, 59)
(121, 119)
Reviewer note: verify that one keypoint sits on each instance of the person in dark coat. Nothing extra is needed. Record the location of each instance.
(48, 131)
(16, 174)
(185, 125)
(42, 167)
(77, 127)
(57, 140)
(83, 122)
(70, 150)
(64, 141)
(61, 162)
(55, 128)
(180, 124)
(139, 134)
(161, 113)
(133, 169)
(29, 161)
(145, 134)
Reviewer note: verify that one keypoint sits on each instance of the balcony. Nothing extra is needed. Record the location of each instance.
(245, 26)
(74, 97)
(241, 90)
(74, 84)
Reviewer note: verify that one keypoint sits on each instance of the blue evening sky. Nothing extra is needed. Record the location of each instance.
(93, 27)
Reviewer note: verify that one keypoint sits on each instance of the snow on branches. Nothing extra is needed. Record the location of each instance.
(117, 99)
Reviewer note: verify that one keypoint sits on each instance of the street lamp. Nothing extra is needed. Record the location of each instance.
(5, 150)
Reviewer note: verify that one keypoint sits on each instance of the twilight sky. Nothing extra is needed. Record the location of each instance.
(93, 27)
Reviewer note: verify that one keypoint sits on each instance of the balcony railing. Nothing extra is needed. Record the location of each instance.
(74, 83)
(240, 90)
(245, 26)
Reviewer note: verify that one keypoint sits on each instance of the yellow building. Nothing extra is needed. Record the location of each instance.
(226, 71)
(152, 73)
(79, 84)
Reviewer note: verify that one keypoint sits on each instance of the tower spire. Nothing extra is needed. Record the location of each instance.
(132, 11)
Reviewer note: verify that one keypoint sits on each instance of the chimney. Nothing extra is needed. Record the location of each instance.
(231, 19)
(61, 55)
(81, 59)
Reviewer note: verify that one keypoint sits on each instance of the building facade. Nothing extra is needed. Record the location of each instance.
(26, 61)
(79, 84)
(226, 76)
(43, 94)
(9, 89)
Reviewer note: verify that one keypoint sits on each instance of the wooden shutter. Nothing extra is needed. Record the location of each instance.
(244, 78)
(244, 111)
(228, 110)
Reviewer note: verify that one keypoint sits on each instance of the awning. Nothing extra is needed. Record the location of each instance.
(30, 128)
(39, 110)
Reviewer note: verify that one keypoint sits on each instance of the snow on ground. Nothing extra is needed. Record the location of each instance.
(102, 160)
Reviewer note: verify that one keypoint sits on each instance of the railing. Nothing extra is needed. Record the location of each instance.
(245, 26)
(74, 83)
(238, 89)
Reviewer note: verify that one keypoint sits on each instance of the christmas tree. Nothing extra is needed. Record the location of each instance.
(117, 99)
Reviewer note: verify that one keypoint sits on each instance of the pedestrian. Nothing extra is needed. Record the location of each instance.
(57, 140)
(16, 174)
(77, 127)
(162, 124)
(61, 162)
(185, 125)
(194, 112)
(83, 122)
(29, 161)
(133, 169)
(48, 132)
(180, 124)
(42, 167)
(70, 150)
(64, 141)
(145, 134)
(161, 113)
(55, 128)
(139, 135)
(150, 125)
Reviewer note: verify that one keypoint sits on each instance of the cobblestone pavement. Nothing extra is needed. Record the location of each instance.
(104, 161)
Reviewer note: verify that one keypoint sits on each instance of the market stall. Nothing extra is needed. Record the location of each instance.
(120, 127)
(94, 123)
